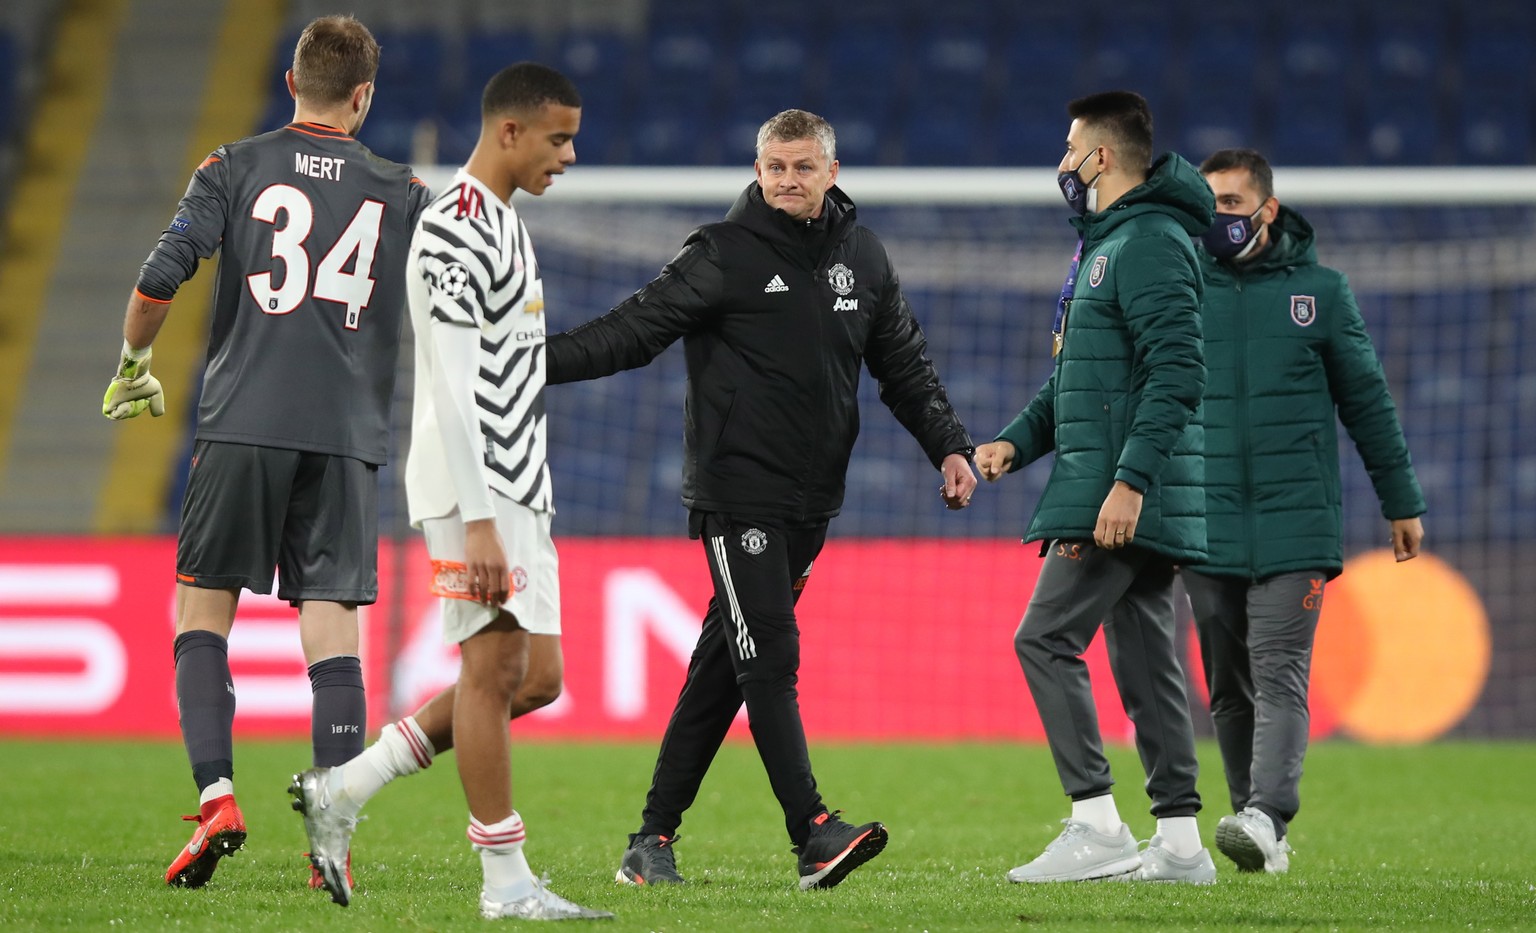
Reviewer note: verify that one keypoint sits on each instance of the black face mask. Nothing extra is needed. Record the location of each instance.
(1080, 195)
(1233, 236)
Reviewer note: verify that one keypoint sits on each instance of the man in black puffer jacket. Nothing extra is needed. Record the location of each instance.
(777, 306)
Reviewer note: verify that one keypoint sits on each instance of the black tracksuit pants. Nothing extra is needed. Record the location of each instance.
(748, 652)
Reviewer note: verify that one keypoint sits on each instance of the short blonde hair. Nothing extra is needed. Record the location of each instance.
(791, 125)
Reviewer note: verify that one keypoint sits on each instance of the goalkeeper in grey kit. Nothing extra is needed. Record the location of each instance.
(292, 425)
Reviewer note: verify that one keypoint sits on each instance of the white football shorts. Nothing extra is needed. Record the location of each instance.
(534, 592)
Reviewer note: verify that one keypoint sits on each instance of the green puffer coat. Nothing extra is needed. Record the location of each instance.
(1123, 400)
(1285, 347)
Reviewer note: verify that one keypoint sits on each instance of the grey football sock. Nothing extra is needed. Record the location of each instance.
(205, 700)
(340, 714)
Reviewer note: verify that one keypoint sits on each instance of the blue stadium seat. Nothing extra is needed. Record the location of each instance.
(868, 65)
(487, 53)
(1213, 117)
(672, 137)
(1129, 57)
(683, 55)
(773, 57)
(860, 129)
(1222, 54)
(1030, 130)
(598, 62)
(1405, 54)
(603, 139)
(1494, 131)
(1038, 61)
(1317, 52)
(1499, 60)
(945, 135)
(951, 66)
(413, 79)
(848, 17)
(1401, 127)
(1310, 129)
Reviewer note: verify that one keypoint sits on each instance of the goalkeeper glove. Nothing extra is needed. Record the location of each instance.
(133, 389)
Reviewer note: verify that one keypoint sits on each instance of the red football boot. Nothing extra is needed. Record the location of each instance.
(220, 832)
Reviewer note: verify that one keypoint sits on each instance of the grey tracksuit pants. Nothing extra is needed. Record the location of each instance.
(1130, 592)
(1256, 640)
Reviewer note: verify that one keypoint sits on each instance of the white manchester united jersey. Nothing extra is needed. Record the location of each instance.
(471, 264)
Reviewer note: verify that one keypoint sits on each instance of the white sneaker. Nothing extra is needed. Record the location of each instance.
(1158, 864)
(1248, 838)
(542, 904)
(1081, 853)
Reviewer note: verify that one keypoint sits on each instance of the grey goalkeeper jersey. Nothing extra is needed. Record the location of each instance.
(310, 296)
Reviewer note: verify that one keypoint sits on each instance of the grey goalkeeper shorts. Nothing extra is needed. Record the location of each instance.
(312, 517)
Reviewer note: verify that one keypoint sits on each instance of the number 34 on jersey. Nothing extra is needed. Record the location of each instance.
(292, 217)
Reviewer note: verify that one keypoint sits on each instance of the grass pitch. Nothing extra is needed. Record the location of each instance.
(1435, 837)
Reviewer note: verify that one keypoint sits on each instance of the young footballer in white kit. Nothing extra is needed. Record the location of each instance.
(478, 486)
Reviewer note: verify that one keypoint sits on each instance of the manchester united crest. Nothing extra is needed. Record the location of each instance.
(1096, 274)
(840, 277)
(1303, 309)
(519, 579)
(754, 541)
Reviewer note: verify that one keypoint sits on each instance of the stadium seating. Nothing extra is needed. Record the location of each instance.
(1313, 82)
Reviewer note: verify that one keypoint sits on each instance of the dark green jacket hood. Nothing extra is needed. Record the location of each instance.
(1292, 243)
(1174, 187)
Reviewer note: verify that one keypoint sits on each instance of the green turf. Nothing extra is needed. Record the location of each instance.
(1442, 836)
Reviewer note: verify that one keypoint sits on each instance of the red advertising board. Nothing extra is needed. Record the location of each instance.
(901, 639)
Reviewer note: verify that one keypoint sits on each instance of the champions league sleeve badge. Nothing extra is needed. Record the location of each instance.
(453, 279)
(1303, 309)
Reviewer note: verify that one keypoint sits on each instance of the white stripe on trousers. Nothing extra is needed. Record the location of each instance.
(745, 646)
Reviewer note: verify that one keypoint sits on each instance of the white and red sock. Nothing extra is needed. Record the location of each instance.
(402, 750)
(500, 844)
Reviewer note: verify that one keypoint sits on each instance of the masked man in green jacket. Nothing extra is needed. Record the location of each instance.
(1285, 348)
(1124, 502)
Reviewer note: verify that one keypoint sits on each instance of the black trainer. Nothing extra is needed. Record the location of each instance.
(649, 860)
(836, 848)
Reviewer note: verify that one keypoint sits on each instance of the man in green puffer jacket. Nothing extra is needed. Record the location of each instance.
(1125, 499)
(1285, 348)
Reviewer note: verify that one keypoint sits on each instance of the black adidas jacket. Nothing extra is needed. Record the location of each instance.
(774, 336)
